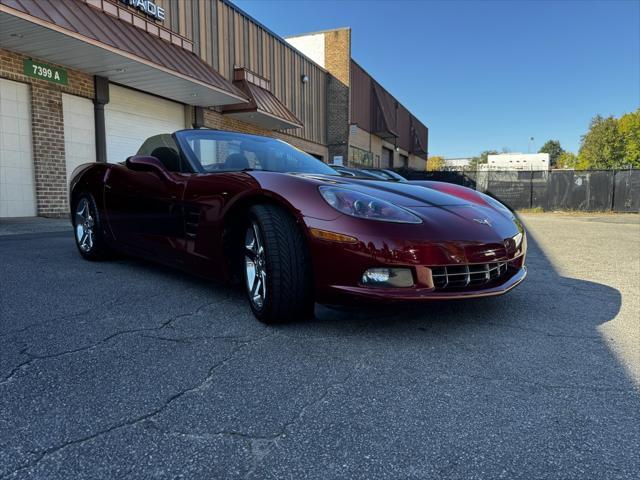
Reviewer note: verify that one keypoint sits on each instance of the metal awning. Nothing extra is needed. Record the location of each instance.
(264, 109)
(384, 113)
(419, 138)
(73, 34)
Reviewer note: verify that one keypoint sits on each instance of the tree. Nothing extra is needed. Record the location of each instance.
(602, 146)
(435, 163)
(566, 160)
(629, 127)
(482, 158)
(553, 148)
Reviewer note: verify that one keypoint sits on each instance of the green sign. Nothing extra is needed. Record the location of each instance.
(45, 72)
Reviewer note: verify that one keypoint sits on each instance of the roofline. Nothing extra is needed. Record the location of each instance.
(272, 33)
(391, 94)
(317, 32)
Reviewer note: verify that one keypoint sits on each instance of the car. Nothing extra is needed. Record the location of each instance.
(260, 212)
(355, 172)
(386, 174)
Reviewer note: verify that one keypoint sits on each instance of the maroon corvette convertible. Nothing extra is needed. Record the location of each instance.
(255, 209)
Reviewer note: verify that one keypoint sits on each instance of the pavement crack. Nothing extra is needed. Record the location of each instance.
(43, 454)
(36, 358)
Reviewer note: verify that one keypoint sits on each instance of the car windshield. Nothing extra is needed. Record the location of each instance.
(216, 151)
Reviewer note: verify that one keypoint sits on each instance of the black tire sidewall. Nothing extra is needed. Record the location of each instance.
(299, 297)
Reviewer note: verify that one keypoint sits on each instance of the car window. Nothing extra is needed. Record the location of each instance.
(151, 143)
(165, 149)
(216, 151)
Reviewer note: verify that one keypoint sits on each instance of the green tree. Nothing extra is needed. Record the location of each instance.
(567, 160)
(629, 127)
(553, 148)
(602, 146)
(435, 163)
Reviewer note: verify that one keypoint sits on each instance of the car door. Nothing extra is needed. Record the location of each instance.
(144, 208)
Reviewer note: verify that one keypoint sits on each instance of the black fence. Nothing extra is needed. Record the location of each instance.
(586, 190)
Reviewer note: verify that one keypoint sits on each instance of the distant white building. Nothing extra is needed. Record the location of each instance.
(456, 163)
(516, 161)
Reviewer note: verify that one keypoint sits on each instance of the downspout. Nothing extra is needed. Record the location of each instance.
(101, 98)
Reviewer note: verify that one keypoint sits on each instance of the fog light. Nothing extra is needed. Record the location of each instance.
(388, 277)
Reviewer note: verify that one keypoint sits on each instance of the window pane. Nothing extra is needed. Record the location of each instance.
(217, 151)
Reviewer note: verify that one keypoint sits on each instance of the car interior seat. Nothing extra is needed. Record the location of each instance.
(168, 157)
(236, 161)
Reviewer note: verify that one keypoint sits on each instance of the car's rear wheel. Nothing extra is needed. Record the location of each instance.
(277, 267)
(88, 229)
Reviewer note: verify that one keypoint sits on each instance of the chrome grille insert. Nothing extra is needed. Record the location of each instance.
(461, 276)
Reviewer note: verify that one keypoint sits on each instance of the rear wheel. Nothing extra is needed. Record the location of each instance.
(277, 268)
(88, 229)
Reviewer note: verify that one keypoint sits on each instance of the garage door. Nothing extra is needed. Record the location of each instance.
(132, 116)
(79, 132)
(17, 186)
(387, 158)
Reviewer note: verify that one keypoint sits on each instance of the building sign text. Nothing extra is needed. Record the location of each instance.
(43, 71)
(148, 7)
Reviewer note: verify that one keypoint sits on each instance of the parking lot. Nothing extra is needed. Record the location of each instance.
(124, 369)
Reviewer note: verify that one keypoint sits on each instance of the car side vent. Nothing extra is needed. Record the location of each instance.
(461, 276)
(191, 221)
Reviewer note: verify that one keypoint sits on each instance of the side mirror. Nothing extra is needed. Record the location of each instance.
(144, 163)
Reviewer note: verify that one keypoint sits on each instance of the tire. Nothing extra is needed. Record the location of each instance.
(87, 228)
(277, 267)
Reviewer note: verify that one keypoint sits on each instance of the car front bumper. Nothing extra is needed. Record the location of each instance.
(339, 266)
(343, 293)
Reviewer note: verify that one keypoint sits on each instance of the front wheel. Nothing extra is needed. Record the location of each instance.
(87, 229)
(277, 267)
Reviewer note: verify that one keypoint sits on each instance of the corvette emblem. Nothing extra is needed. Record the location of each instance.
(483, 221)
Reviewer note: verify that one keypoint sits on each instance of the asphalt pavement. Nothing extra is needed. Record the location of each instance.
(124, 369)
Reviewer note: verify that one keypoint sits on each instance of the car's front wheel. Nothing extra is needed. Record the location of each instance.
(277, 268)
(87, 228)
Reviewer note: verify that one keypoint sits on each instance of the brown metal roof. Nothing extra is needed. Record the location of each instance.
(377, 111)
(80, 18)
(262, 101)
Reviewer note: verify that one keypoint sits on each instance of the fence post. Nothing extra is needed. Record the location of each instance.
(531, 190)
(613, 191)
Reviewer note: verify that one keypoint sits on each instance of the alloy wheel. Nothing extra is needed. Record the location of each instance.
(84, 222)
(255, 265)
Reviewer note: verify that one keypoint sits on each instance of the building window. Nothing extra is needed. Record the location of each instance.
(404, 161)
(359, 157)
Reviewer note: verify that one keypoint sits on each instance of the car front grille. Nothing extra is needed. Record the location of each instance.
(464, 276)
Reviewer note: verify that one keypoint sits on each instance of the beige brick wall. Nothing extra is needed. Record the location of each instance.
(337, 62)
(213, 119)
(47, 126)
(362, 139)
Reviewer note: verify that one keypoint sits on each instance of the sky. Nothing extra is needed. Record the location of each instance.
(486, 74)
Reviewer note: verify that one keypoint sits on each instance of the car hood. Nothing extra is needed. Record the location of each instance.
(438, 210)
(402, 194)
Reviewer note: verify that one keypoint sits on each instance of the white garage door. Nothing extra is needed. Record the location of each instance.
(131, 117)
(17, 186)
(79, 132)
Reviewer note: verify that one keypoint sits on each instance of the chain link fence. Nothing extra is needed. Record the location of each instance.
(586, 190)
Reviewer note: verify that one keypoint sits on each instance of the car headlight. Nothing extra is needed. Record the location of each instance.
(361, 205)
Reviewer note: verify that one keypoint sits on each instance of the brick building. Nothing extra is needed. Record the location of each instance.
(89, 80)
(367, 125)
